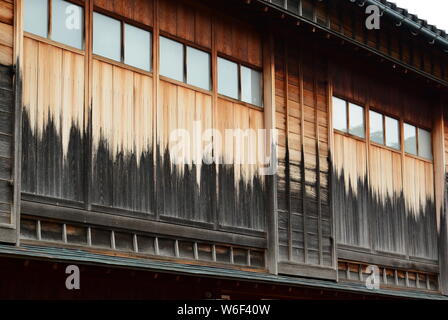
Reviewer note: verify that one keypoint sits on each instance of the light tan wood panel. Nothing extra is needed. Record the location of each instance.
(350, 158)
(141, 11)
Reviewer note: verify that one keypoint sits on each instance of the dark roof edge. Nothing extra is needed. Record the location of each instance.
(434, 34)
(80, 256)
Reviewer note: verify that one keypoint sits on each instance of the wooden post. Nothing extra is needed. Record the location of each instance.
(18, 62)
(441, 196)
(88, 105)
(157, 112)
(271, 147)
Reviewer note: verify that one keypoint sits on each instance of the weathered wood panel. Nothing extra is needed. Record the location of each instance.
(6, 32)
(394, 203)
(141, 11)
(127, 159)
(122, 131)
(6, 143)
(394, 39)
(241, 199)
(350, 193)
(236, 39)
(53, 122)
(186, 21)
(211, 180)
(9, 81)
(186, 183)
(305, 220)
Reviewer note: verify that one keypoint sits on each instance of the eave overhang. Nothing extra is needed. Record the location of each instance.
(432, 36)
(64, 255)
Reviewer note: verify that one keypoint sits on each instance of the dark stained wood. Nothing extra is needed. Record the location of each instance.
(128, 223)
(304, 211)
(96, 144)
(10, 83)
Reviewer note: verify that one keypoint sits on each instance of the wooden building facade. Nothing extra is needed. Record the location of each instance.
(335, 161)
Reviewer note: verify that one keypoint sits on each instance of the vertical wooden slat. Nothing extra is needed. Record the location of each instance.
(331, 173)
(302, 161)
(287, 172)
(271, 148)
(318, 191)
(214, 70)
(440, 186)
(88, 104)
(18, 62)
(155, 100)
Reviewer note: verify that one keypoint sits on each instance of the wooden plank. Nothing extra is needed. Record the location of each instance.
(387, 260)
(304, 270)
(7, 12)
(132, 224)
(271, 149)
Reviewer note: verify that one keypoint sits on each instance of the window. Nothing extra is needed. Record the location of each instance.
(240, 82)
(198, 68)
(384, 130)
(106, 37)
(392, 133)
(171, 59)
(251, 86)
(339, 114)
(293, 6)
(137, 47)
(36, 17)
(348, 117)
(424, 144)
(133, 48)
(417, 141)
(228, 78)
(356, 120)
(184, 63)
(410, 139)
(67, 21)
(376, 127)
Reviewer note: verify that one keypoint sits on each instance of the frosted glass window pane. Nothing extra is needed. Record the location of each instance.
(392, 133)
(68, 23)
(251, 86)
(106, 37)
(424, 144)
(198, 68)
(293, 6)
(356, 118)
(171, 59)
(410, 139)
(376, 127)
(339, 114)
(227, 78)
(137, 47)
(36, 17)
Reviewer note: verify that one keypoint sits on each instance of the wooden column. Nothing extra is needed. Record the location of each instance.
(88, 105)
(157, 113)
(271, 149)
(441, 195)
(17, 167)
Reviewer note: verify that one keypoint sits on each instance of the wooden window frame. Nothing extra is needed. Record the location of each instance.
(240, 64)
(48, 38)
(123, 21)
(417, 156)
(400, 129)
(347, 120)
(185, 44)
(383, 121)
(367, 130)
(416, 139)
